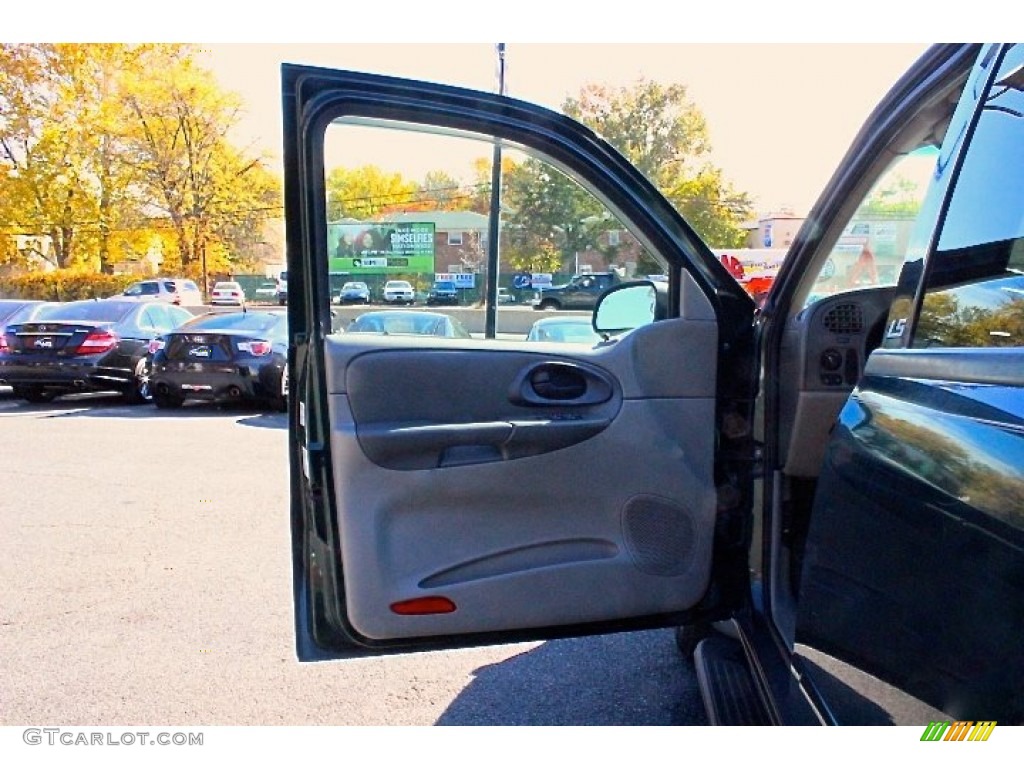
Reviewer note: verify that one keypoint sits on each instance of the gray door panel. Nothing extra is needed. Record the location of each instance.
(423, 410)
(522, 513)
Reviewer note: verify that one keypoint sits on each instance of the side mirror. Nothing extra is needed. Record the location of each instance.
(627, 306)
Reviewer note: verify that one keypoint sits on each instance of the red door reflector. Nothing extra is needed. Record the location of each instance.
(423, 606)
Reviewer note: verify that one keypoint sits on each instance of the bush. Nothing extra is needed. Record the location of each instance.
(64, 285)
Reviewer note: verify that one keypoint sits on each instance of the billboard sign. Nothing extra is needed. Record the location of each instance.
(461, 279)
(369, 248)
(540, 279)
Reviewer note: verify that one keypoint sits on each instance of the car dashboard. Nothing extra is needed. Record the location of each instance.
(824, 349)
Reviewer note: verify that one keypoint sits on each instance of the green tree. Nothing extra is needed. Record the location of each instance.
(46, 184)
(238, 220)
(365, 192)
(92, 117)
(477, 197)
(945, 322)
(544, 258)
(547, 214)
(177, 133)
(440, 191)
(663, 133)
(901, 197)
(102, 146)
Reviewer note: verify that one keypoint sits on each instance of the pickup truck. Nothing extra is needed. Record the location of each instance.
(580, 292)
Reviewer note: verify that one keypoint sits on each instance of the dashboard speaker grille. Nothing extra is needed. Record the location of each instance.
(844, 318)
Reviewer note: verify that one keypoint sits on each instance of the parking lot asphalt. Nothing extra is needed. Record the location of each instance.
(145, 579)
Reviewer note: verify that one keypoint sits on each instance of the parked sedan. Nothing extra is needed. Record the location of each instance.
(231, 356)
(409, 322)
(578, 330)
(17, 311)
(398, 292)
(85, 346)
(227, 293)
(354, 293)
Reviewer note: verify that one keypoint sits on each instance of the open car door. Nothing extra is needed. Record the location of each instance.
(450, 491)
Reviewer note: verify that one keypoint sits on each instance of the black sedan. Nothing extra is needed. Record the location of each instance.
(230, 356)
(84, 346)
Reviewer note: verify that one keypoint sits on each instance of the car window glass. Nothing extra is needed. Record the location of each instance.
(163, 318)
(150, 319)
(974, 287)
(11, 312)
(240, 321)
(99, 311)
(871, 250)
(395, 194)
(149, 289)
(179, 316)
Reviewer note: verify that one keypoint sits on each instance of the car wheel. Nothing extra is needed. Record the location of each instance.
(549, 304)
(34, 394)
(140, 391)
(164, 399)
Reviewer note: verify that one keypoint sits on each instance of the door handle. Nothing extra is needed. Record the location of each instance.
(561, 384)
(556, 382)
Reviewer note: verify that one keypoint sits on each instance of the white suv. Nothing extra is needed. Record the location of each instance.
(398, 292)
(171, 290)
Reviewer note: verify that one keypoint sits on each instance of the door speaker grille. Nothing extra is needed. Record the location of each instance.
(660, 536)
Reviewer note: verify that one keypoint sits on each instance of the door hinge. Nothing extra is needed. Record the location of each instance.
(751, 455)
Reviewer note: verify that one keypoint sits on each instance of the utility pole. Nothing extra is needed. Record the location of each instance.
(494, 225)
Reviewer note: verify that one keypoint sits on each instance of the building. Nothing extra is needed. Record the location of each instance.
(776, 230)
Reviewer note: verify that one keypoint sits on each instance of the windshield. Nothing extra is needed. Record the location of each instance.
(15, 311)
(419, 323)
(261, 322)
(568, 331)
(871, 249)
(142, 289)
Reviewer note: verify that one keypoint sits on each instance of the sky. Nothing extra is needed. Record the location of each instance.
(784, 88)
(780, 116)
